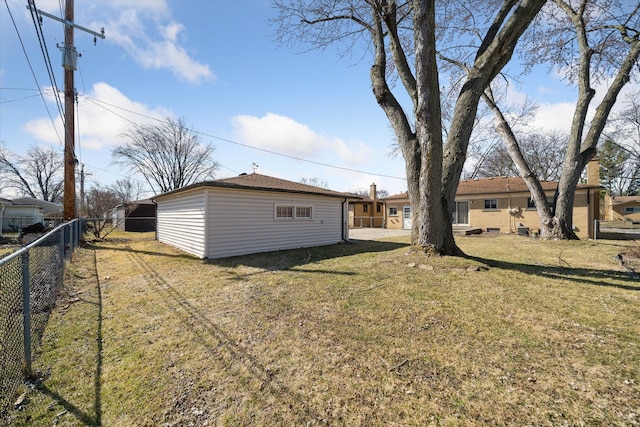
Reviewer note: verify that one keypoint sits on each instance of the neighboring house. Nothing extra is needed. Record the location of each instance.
(49, 209)
(367, 212)
(3, 203)
(504, 204)
(136, 216)
(250, 213)
(16, 215)
(622, 208)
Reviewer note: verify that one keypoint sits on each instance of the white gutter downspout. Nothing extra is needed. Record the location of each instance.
(345, 227)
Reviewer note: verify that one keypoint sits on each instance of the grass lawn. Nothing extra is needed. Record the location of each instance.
(523, 332)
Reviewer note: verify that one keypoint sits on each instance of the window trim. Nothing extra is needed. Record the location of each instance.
(531, 203)
(393, 214)
(294, 212)
(304, 207)
(490, 207)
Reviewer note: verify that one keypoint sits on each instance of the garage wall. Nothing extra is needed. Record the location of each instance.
(181, 221)
(243, 222)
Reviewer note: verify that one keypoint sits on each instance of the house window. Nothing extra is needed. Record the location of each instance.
(284, 212)
(378, 208)
(531, 203)
(304, 212)
(365, 208)
(393, 211)
(491, 203)
(293, 212)
(631, 209)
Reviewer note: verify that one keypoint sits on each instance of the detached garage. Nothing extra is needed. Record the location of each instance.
(250, 213)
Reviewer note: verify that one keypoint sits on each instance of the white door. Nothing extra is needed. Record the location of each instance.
(406, 217)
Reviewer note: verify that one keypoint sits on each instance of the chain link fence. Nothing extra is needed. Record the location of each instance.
(617, 230)
(30, 280)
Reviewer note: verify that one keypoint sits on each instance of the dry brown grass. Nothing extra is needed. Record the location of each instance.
(523, 332)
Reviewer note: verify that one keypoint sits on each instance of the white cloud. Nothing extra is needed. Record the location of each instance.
(284, 135)
(103, 114)
(556, 116)
(148, 33)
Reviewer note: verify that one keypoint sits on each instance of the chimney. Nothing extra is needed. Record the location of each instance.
(373, 195)
(593, 171)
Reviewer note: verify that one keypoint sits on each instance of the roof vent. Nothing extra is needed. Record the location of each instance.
(242, 174)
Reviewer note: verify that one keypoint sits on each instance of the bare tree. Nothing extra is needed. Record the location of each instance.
(624, 127)
(402, 38)
(128, 190)
(168, 155)
(37, 173)
(590, 42)
(381, 194)
(100, 203)
(544, 153)
(316, 182)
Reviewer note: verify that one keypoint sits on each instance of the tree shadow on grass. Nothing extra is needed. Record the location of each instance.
(233, 358)
(295, 258)
(594, 277)
(274, 260)
(126, 247)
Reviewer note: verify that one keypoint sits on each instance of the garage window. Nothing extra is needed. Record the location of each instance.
(293, 212)
(283, 212)
(304, 212)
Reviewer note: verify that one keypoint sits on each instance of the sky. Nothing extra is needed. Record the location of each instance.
(215, 64)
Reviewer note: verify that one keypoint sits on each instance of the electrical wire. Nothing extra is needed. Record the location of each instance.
(77, 120)
(20, 99)
(98, 102)
(37, 22)
(24, 50)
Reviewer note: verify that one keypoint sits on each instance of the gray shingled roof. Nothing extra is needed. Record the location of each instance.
(495, 185)
(256, 181)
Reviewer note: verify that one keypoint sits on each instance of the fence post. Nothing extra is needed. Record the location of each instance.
(26, 313)
(61, 248)
(72, 226)
(67, 239)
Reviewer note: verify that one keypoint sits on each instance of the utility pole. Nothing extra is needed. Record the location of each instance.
(69, 59)
(82, 193)
(69, 63)
(82, 189)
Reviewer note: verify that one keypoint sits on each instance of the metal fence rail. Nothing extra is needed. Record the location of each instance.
(367, 222)
(30, 280)
(617, 230)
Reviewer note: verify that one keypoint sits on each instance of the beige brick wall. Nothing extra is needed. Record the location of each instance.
(584, 212)
(395, 221)
(358, 217)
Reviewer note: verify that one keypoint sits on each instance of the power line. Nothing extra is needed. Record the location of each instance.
(97, 102)
(20, 99)
(32, 71)
(37, 23)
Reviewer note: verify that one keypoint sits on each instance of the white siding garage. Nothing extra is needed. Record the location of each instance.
(250, 213)
(181, 221)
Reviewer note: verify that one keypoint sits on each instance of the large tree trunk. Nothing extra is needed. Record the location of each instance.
(433, 172)
(434, 234)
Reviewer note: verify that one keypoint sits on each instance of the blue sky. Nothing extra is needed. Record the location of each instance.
(215, 64)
